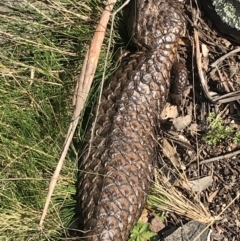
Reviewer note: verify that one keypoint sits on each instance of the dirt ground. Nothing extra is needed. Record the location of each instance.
(203, 130)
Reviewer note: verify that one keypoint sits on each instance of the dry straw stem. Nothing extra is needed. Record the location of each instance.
(166, 197)
(82, 90)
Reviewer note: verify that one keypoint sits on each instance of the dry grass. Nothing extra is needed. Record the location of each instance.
(166, 197)
(42, 47)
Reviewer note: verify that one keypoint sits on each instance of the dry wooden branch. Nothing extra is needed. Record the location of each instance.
(219, 158)
(229, 97)
(82, 90)
(218, 61)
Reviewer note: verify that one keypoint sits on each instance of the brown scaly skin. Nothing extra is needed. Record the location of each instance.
(116, 176)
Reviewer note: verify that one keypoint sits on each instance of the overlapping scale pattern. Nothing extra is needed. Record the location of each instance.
(115, 174)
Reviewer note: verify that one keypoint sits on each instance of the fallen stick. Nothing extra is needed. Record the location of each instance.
(82, 89)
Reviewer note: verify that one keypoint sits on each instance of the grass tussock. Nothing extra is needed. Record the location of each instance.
(165, 197)
(43, 44)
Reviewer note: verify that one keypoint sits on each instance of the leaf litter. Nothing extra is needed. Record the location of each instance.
(210, 188)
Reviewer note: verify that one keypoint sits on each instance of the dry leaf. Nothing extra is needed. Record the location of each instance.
(183, 138)
(157, 224)
(181, 122)
(205, 50)
(197, 185)
(193, 128)
(170, 152)
(144, 216)
(205, 59)
(169, 111)
(190, 109)
(212, 196)
(225, 42)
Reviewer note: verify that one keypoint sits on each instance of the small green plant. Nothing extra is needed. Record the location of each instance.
(141, 232)
(236, 138)
(218, 131)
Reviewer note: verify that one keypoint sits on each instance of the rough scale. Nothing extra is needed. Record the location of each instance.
(115, 178)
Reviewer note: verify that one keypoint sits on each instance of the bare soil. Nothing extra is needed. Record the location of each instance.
(214, 82)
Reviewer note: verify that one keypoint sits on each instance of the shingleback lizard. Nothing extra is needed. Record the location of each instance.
(116, 175)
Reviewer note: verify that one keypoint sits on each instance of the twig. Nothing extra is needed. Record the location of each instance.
(83, 87)
(199, 67)
(195, 45)
(229, 97)
(225, 156)
(217, 62)
(214, 99)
